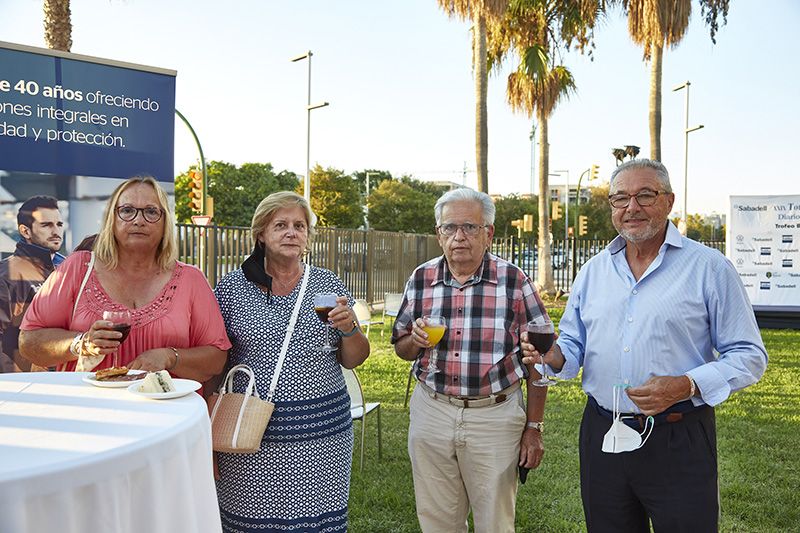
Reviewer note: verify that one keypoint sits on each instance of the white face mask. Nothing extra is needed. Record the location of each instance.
(621, 437)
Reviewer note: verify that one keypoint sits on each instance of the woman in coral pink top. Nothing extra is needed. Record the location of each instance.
(175, 320)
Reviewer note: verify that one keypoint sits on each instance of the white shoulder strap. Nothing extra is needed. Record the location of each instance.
(289, 331)
(83, 285)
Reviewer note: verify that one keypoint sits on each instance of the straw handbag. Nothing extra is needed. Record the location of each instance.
(238, 421)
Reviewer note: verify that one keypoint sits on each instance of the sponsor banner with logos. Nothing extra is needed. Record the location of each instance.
(763, 242)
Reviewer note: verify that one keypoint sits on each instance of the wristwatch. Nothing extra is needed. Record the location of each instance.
(538, 426)
(352, 331)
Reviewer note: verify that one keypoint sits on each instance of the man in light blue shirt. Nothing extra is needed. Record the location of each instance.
(663, 328)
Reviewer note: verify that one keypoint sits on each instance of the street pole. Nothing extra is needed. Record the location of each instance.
(533, 158)
(309, 108)
(202, 158)
(566, 219)
(683, 225)
(366, 196)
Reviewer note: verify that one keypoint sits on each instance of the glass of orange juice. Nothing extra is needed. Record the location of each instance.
(435, 327)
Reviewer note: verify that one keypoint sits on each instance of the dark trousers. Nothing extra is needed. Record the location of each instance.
(670, 481)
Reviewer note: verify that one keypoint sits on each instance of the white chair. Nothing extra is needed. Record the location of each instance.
(391, 305)
(360, 409)
(363, 311)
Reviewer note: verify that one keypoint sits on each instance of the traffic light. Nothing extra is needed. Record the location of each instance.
(527, 222)
(594, 172)
(518, 224)
(196, 191)
(583, 225)
(556, 210)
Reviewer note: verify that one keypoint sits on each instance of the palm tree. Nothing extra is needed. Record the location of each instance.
(656, 24)
(536, 30)
(57, 25)
(479, 12)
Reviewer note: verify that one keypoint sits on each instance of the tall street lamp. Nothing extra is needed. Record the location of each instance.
(682, 226)
(566, 218)
(533, 157)
(366, 196)
(309, 108)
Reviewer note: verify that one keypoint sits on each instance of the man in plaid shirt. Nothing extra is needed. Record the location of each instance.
(470, 428)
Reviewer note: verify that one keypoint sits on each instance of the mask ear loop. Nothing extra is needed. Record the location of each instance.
(652, 421)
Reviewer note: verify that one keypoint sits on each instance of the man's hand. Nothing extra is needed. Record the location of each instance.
(530, 356)
(659, 393)
(531, 448)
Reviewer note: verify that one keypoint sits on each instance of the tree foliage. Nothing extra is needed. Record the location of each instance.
(335, 198)
(236, 190)
(513, 207)
(398, 206)
(376, 177)
(699, 228)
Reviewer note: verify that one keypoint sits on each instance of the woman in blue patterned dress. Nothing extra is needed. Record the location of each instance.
(300, 479)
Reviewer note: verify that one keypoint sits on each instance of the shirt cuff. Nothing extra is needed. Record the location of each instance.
(714, 388)
(571, 366)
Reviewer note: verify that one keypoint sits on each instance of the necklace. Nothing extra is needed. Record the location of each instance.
(287, 284)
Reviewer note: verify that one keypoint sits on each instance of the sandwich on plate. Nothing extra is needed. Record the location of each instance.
(157, 382)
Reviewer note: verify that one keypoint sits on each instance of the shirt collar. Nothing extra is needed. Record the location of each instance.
(39, 253)
(486, 271)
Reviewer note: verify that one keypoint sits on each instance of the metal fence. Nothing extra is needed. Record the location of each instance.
(371, 263)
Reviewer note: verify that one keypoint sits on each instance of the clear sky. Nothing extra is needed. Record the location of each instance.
(398, 77)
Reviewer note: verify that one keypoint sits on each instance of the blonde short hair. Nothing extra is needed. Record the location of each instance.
(278, 200)
(106, 247)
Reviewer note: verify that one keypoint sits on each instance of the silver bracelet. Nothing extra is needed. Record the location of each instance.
(177, 357)
(75, 345)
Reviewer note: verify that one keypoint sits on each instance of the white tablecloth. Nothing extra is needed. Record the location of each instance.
(75, 458)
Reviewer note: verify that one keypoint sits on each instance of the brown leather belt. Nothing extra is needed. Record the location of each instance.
(471, 401)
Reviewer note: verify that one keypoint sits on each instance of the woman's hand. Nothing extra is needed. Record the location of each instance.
(101, 339)
(342, 317)
(153, 360)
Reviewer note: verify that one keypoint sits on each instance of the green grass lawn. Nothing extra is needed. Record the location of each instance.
(758, 432)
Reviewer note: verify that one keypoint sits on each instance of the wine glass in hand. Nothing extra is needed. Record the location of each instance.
(435, 328)
(120, 321)
(324, 302)
(541, 333)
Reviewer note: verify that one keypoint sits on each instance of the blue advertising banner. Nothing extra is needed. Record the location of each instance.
(65, 114)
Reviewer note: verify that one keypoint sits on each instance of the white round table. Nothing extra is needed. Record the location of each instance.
(75, 458)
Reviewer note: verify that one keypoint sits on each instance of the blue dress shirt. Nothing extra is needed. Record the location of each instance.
(688, 313)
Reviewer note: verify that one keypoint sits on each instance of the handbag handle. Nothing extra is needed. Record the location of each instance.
(83, 285)
(227, 384)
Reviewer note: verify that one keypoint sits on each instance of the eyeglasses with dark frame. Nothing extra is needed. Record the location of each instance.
(644, 198)
(470, 229)
(128, 213)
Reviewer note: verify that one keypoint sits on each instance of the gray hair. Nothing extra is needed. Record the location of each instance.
(464, 194)
(660, 169)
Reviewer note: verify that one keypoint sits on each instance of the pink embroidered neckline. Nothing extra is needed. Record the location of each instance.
(98, 300)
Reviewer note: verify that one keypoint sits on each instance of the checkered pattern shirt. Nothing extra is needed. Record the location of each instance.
(480, 353)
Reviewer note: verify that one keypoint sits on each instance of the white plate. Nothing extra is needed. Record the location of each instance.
(182, 388)
(110, 384)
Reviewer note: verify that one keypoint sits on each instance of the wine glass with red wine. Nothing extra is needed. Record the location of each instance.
(542, 333)
(120, 321)
(324, 302)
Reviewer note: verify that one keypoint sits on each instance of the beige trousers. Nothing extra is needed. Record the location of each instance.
(465, 458)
